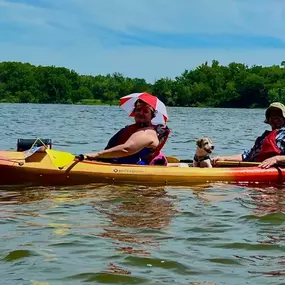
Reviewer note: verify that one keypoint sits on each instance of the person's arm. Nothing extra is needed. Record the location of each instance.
(134, 144)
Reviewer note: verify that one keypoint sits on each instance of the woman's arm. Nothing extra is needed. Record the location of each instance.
(134, 144)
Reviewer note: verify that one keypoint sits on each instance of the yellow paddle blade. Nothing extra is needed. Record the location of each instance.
(60, 158)
(172, 159)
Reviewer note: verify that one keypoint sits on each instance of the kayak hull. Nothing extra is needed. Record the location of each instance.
(39, 170)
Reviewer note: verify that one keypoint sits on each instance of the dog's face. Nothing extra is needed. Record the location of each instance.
(205, 144)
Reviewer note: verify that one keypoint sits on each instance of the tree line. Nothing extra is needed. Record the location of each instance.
(209, 85)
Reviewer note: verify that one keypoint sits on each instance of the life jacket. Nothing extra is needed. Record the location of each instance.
(269, 147)
(156, 155)
(144, 156)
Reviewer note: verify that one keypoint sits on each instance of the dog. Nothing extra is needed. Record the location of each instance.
(202, 155)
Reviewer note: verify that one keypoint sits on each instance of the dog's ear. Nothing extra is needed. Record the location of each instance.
(199, 143)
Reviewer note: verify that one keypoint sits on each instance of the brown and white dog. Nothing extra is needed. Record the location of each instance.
(202, 154)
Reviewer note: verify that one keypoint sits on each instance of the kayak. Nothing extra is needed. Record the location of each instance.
(39, 169)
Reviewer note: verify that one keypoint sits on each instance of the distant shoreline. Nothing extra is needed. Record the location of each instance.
(105, 104)
(208, 86)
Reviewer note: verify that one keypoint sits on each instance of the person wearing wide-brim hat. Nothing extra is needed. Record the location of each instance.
(269, 148)
(139, 143)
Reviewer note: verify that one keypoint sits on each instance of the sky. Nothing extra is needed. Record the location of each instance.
(149, 39)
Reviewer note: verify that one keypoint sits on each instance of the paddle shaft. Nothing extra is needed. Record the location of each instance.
(173, 159)
(232, 163)
(227, 162)
(236, 163)
(224, 162)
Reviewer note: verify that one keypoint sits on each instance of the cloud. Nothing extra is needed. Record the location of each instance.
(141, 38)
(34, 3)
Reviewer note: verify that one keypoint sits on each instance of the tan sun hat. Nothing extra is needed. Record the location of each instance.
(275, 105)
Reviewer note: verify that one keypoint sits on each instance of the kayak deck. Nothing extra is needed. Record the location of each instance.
(39, 170)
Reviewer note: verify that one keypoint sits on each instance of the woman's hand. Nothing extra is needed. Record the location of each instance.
(269, 162)
(91, 156)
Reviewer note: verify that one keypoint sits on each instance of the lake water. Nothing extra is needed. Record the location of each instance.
(216, 234)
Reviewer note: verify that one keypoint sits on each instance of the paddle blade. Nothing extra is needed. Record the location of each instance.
(60, 158)
(172, 159)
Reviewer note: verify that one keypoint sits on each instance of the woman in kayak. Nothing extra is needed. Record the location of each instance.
(269, 148)
(139, 143)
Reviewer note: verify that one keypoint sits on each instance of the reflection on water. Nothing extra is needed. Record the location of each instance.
(139, 208)
(267, 206)
(269, 200)
(126, 234)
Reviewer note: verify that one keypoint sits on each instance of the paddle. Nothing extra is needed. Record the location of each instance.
(173, 159)
(61, 159)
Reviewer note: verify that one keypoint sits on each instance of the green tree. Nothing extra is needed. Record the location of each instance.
(214, 85)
